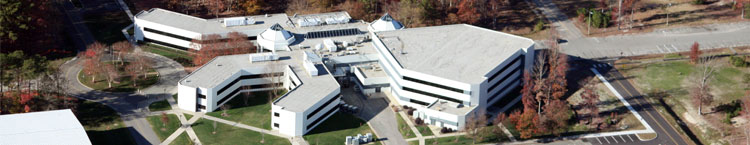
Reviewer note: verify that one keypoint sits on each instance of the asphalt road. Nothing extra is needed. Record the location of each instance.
(375, 111)
(666, 134)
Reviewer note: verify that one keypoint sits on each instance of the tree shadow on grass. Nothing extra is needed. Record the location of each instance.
(120, 136)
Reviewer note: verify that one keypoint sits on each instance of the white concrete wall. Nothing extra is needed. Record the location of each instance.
(140, 33)
(290, 123)
(186, 97)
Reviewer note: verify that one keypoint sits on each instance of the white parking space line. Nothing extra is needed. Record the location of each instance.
(600, 141)
(675, 48)
(623, 139)
(605, 139)
(631, 139)
(613, 138)
(662, 49)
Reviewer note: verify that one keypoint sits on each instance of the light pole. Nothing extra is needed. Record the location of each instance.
(589, 29)
(667, 9)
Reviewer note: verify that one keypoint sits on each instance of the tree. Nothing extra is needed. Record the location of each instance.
(498, 123)
(14, 17)
(556, 116)
(467, 12)
(525, 122)
(746, 113)
(215, 6)
(273, 74)
(143, 64)
(111, 73)
(474, 123)
(224, 109)
(253, 7)
(164, 120)
(701, 90)
(590, 99)
(133, 71)
(695, 52)
(355, 8)
(122, 47)
(214, 132)
(237, 43)
(92, 60)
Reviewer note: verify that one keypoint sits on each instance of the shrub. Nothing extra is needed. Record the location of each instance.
(698, 2)
(599, 19)
(738, 61)
(446, 130)
(539, 25)
(418, 121)
(410, 112)
(747, 11)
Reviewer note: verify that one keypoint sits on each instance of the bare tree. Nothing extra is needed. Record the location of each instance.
(214, 132)
(273, 74)
(701, 78)
(111, 73)
(473, 126)
(122, 47)
(224, 109)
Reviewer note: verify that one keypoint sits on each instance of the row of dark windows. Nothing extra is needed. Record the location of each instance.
(244, 77)
(517, 89)
(246, 87)
(186, 38)
(164, 43)
(322, 106)
(508, 97)
(432, 95)
(201, 96)
(433, 84)
(419, 102)
(494, 86)
(321, 117)
(503, 69)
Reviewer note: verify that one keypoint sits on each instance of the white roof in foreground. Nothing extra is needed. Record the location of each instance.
(48, 127)
(460, 52)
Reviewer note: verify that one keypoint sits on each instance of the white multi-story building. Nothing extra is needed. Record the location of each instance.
(449, 72)
(446, 72)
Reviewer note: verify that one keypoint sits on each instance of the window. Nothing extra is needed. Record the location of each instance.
(276, 114)
(276, 125)
(504, 68)
(322, 106)
(419, 102)
(166, 34)
(201, 106)
(201, 96)
(432, 95)
(433, 84)
(321, 118)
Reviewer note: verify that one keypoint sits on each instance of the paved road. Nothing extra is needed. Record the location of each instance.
(667, 134)
(375, 111)
(132, 107)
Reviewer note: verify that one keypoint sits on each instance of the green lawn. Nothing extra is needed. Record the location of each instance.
(335, 129)
(257, 111)
(424, 130)
(164, 131)
(183, 139)
(103, 125)
(125, 84)
(160, 106)
(229, 135)
(107, 27)
(182, 57)
(188, 116)
(404, 128)
(671, 79)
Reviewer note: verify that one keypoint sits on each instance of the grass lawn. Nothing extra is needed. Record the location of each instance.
(164, 131)
(125, 84)
(103, 125)
(182, 57)
(424, 130)
(229, 135)
(188, 116)
(257, 111)
(671, 80)
(107, 27)
(404, 128)
(335, 129)
(182, 139)
(160, 106)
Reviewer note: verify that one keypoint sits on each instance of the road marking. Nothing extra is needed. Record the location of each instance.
(623, 139)
(600, 141)
(649, 113)
(605, 139)
(675, 48)
(631, 139)
(613, 138)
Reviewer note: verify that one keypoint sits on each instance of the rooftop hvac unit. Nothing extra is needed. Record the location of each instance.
(238, 21)
(330, 45)
(259, 57)
(310, 67)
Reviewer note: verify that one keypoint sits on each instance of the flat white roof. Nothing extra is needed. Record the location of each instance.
(312, 89)
(459, 52)
(47, 127)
